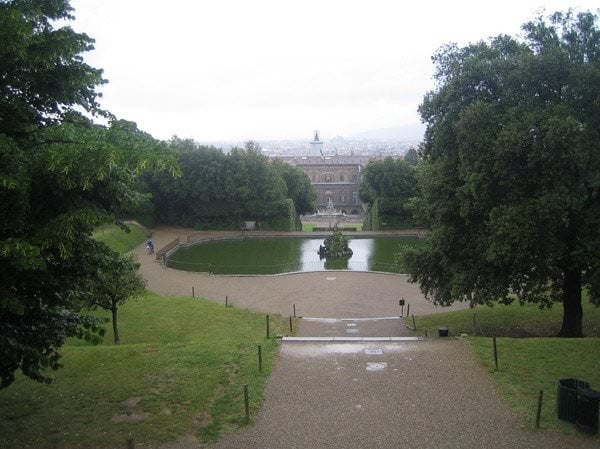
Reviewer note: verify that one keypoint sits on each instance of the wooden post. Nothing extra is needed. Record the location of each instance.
(414, 323)
(193, 295)
(539, 409)
(294, 310)
(408, 310)
(246, 402)
(495, 353)
(226, 299)
(130, 443)
(291, 326)
(268, 334)
(259, 358)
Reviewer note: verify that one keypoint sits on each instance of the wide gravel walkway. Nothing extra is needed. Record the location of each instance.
(413, 395)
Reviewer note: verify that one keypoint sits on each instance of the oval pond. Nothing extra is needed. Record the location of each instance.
(284, 255)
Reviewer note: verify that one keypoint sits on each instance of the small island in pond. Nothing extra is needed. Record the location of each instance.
(335, 247)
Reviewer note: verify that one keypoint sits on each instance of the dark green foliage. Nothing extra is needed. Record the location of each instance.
(299, 188)
(220, 191)
(389, 188)
(60, 176)
(511, 170)
(412, 157)
(372, 220)
(42, 73)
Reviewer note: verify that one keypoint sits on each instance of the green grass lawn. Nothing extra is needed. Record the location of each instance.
(181, 367)
(527, 365)
(308, 227)
(508, 321)
(119, 240)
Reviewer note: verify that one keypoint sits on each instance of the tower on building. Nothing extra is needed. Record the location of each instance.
(316, 146)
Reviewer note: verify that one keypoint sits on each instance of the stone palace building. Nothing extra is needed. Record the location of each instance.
(335, 178)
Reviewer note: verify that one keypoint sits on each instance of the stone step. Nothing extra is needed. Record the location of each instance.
(339, 320)
(348, 339)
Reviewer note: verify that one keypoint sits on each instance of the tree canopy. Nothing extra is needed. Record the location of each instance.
(60, 176)
(299, 188)
(511, 169)
(219, 190)
(392, 183)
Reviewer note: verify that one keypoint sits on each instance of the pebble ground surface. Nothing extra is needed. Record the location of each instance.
(370, 394)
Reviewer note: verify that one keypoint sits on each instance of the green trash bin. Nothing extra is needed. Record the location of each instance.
(588, 401)
(566, 398)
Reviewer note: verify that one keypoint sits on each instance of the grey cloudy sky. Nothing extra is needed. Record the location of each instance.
(275, 69)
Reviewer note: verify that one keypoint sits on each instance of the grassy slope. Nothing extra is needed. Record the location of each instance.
(182, 366)
(119, 240)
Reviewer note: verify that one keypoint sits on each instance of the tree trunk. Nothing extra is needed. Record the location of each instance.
(114, 323)
(572, 310)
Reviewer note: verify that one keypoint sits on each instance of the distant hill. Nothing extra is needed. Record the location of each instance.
(398, 133)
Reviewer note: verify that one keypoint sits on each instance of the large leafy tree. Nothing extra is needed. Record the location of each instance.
(60, 176)
(511, 171)
(393, 184)
(299, 188)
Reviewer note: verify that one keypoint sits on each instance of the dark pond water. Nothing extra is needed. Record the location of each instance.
(283, 255)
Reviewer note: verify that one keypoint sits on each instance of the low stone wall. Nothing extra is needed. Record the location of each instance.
(160, 254)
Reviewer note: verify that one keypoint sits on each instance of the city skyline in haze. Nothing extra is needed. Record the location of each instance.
(269, 70)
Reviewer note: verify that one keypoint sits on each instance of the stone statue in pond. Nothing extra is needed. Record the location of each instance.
(335, 247)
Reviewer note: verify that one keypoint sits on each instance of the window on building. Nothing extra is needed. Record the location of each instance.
(342, 179)
(327, 178)
(355, 197)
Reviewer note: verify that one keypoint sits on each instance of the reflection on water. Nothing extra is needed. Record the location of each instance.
(280, 255)
(362, 253)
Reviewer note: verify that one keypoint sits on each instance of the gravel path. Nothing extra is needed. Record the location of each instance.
(417, 394)
(411, 395)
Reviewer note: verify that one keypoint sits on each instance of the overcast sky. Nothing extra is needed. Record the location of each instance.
(221, 70)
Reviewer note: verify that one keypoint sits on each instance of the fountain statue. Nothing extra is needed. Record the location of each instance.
(335, 246)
